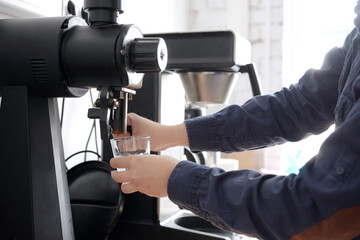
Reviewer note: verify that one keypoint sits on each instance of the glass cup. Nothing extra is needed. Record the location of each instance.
(126, 146)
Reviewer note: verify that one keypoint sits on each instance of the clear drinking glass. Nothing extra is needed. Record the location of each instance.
(126, 146)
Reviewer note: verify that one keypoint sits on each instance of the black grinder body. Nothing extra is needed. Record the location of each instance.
(45, 58)
(62, 56)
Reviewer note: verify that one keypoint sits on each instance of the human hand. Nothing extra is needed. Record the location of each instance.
(162, 136)
(148, 174)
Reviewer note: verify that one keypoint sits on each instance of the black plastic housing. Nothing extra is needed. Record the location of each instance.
(92, 56)
(63, 56)
(30, 56)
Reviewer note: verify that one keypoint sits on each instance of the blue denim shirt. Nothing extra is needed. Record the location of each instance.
(323, 200)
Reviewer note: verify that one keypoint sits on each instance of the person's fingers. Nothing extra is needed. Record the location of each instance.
(121, 177)
(117, 135)
(128, 187)
(130, 118)
(121, 162)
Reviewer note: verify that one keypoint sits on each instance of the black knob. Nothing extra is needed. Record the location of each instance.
(148, 55)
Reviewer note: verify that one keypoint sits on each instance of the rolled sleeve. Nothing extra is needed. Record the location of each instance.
(184, 183)
(288, 115)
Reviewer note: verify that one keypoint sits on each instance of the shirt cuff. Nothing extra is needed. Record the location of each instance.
(202, 133)
(183, 184)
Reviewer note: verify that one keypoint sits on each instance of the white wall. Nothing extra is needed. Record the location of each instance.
(266, 34)
(152, 16)
(30, 8)
(156, 15)
(266, 37)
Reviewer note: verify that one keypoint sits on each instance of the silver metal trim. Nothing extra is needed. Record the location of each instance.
(60, 172)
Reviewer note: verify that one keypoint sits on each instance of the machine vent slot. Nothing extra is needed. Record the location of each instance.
(39, 72)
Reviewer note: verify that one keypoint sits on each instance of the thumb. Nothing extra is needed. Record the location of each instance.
(131, 117)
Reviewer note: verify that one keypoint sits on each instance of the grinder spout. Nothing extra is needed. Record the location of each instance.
(118, 118)
(111, 109)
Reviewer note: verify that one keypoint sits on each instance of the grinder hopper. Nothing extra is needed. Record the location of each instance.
(208, 88)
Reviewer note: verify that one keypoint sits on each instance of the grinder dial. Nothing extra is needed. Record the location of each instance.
(148, 55)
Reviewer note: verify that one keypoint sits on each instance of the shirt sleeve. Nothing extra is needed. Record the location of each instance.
(321, 202)
(288, 115)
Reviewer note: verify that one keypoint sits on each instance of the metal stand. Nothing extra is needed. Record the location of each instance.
(34, 202)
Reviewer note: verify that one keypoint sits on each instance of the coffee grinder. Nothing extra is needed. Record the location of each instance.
(45, 58)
